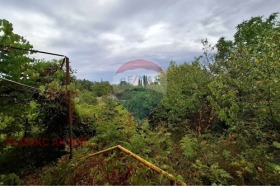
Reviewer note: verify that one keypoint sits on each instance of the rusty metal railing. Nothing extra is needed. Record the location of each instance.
(173, 179)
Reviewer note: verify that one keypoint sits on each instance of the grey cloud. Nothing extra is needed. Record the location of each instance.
(99, 35)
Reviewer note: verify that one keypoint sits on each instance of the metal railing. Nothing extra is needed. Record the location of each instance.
(173, 179)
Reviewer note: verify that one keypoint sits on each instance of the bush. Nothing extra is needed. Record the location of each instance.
(10, 179)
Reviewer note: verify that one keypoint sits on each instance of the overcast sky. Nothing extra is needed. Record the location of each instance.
(99, 35)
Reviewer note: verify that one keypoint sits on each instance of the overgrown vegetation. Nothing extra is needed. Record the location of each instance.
(218, 122)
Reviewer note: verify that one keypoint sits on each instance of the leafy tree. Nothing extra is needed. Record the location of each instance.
(84, 84)
(142, 102)
(14, 63)
(26, 111)
(102, 88)
(245, 95)
(246, 86)
(185, 105)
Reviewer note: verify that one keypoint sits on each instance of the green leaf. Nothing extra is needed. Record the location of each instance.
(276, 144)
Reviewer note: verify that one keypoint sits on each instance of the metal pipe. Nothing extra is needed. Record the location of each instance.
(69, 98)
(100, 152)
(152, 166)
(69, 105)
(143, 161)
(30, 50)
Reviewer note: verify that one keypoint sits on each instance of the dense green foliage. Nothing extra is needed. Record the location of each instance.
(26, 112)
(228, 109)
(140, 102)
(10, 58)
(217, 123)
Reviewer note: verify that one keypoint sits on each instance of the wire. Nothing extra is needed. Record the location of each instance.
(11, 81)
(5, 48)
(30, 87)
